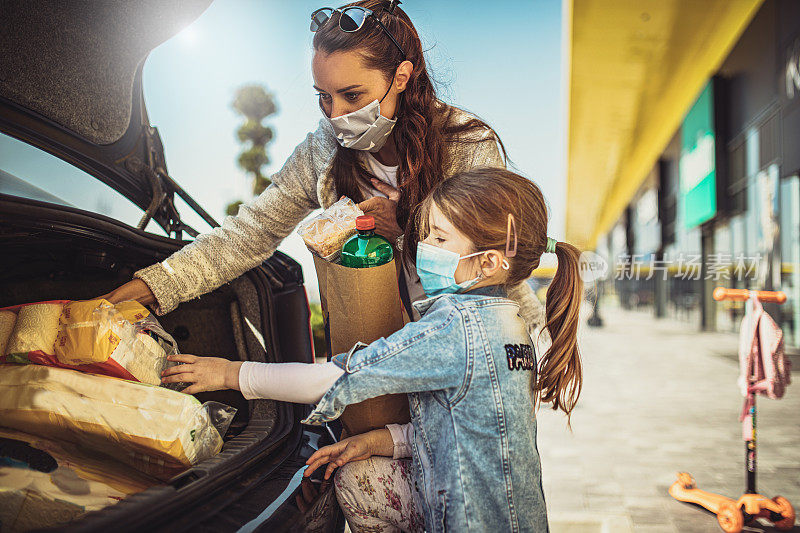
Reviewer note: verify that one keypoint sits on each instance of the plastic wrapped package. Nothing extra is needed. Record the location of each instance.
(91, 330)
(144, 358)
(326, 233)
(44, 483)
(7, 321)
(94, 336)
(36, 328)
(124, 337)
(158, 431)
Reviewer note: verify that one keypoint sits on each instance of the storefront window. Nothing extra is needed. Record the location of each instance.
(738, 236)
(739, 251)
(616, 258)
(723, 270)
(685, 282)
(647, 229)
(790, 259)
(752, 224)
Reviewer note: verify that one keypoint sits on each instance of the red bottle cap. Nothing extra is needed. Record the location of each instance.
(365, 222)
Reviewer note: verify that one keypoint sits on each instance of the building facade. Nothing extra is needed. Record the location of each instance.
(721, 205)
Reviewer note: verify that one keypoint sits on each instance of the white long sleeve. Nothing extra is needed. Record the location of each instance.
(287, 382)
(401, 436)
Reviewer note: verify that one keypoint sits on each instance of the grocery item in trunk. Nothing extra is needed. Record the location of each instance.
(91, 330)
(7, 321)
(36, 328)
(153, 429)
(44, 483)
(94, 336)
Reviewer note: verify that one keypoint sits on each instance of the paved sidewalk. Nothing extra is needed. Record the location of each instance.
(659, 397)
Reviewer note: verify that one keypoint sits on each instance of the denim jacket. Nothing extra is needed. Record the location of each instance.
(466, 366)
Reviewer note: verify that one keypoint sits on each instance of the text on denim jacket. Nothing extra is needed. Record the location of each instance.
(520, 357)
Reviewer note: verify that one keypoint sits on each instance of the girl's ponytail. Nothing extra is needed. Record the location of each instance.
(559, 371)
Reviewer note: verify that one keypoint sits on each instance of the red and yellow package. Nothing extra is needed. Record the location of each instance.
(119, 340)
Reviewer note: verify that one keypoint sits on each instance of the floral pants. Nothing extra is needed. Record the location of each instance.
(378, 495)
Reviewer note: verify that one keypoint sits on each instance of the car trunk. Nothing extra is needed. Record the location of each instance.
(73, 88)
(55, 252)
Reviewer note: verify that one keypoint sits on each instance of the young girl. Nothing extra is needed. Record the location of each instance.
(468, 365)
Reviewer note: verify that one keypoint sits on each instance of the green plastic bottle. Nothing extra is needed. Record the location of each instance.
(366, 249)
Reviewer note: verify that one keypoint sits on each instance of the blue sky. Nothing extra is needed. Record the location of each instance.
(499, 60)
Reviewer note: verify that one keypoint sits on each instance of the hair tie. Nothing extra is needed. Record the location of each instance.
(551, 246)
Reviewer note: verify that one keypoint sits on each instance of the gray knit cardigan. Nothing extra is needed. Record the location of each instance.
(303, 184)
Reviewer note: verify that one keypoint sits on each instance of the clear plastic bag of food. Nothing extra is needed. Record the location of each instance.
(143, 344)
(120, 340)
(326, 233)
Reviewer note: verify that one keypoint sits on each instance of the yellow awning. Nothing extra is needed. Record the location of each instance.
(635, 67)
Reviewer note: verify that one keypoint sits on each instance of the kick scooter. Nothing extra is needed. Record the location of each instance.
(733, 515)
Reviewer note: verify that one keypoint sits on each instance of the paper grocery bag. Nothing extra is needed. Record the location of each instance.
(362, 304)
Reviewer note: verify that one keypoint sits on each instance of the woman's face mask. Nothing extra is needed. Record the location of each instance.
(364, 129)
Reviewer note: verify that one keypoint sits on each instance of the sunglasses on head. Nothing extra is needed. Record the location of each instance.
(352, 19)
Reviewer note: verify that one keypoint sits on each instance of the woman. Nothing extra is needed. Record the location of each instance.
(427, 141)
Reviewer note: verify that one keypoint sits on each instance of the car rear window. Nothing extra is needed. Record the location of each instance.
(29, 172)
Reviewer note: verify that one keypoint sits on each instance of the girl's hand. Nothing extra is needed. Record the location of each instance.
(384, 211)
(356, 448)
(203, 373)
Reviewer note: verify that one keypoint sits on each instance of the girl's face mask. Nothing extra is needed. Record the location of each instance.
(364, 129)
(436, 268)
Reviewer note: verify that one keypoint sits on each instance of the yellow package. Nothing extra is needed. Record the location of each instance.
(156, 430)
(87, 329)
(7, 321)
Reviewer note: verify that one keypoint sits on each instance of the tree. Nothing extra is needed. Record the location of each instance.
(318, 330)
(233, 208)
(254, 103)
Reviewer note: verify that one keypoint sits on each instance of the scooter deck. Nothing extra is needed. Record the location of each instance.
(732, 515)
(685, 490)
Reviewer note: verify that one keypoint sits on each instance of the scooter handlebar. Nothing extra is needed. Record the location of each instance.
(724, 293)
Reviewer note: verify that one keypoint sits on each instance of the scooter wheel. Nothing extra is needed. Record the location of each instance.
(787, 512)
(730, 518)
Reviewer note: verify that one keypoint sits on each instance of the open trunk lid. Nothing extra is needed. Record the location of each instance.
(71, 84)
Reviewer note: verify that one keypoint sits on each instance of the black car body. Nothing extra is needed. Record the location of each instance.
(71, 85)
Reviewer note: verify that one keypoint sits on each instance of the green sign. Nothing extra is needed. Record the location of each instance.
(698, 176)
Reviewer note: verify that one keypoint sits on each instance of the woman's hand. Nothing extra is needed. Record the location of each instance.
(203, 373)
(356, 448)
(135, 289)
(384, 210)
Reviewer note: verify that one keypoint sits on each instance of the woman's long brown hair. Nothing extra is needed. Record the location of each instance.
(424, 123)
(477, 203)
